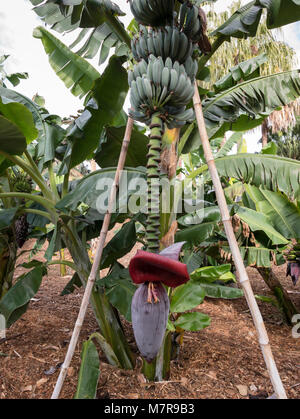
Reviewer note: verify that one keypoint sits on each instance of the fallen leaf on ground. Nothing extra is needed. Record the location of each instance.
(41, 382)
(27, 388)
(243, 390)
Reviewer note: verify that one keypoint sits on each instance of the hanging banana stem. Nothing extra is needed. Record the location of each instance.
(161, 87)
(153, 177)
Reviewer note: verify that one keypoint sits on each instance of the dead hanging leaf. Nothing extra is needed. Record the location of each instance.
(168, 239)
(246, 230)
(236, 222)
(253, 241)
(169, 160)
(204, 43)
(40, 382)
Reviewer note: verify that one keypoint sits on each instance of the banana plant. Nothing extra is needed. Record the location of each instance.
(161, 90)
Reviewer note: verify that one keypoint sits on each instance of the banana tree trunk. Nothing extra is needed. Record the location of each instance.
(286, 305)
(8, 257)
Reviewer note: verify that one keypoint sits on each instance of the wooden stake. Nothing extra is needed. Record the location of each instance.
(96, 264)
(238, 261)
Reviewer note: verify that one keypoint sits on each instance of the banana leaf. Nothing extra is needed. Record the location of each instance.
(273, 172)
(89, 188)
(108, 96)
(246, 105)
(244, 22)
(283, 214)
(101, 29)
(259, 222)
(89, 372)
(73, 70)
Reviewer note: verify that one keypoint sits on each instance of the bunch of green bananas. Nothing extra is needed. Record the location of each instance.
(161, 85)
(190, 67)
(294, 253)
(163, 79)
(153, 12)
(21, 182)
(167, 42)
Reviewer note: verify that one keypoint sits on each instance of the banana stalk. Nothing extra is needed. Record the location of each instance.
(153, 177)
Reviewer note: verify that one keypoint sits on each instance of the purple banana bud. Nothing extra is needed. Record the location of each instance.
(293, 270)
(149, 312)
(173, 251)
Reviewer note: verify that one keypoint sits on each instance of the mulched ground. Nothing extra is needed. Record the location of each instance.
(222, 361)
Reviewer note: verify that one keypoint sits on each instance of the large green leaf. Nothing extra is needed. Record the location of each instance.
(20, 116)
(208, 213)
(15, 301)
(281, 12)
(89, 372)
(122, 242)
(102, 29)
(193, 321)
(246, 105)
(259, 222)
(273, 172)
(49, 133)
(108, 98)
(210, 274)
(74, 283)
(12, 140)
(283, 214)
(196, 234)
(111, 142)
(74, 71)
(7, 216)
(246, 70)
(119, 289)
(227, 147)
(244, 21)
(221, 291)
(186, 297)
(89, 188)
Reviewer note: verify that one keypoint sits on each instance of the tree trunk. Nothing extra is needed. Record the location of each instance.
(8, 257)
(286, 305)
(264, 132)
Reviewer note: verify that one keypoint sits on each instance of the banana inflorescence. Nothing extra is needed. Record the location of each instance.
(162, 79)
(162, 86)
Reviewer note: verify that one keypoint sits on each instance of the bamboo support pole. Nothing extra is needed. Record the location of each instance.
(96, 264)
(238, 261)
